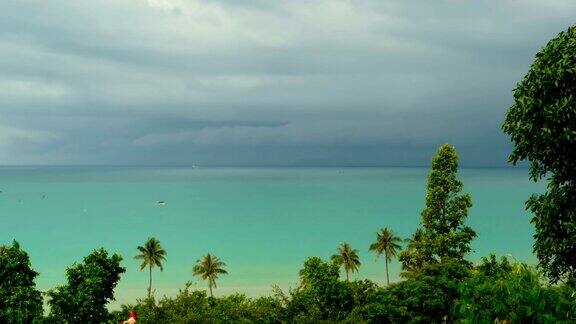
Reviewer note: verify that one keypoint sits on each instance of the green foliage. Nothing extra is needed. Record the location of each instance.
(209, 268)
(89, 289)
(20, 302)
(542, 126)
(387, 243)
(442, 233)
(555, 229)
(320, 295)
(429, 295)
(448, 291)
(146, 309)
(267, 309)
(239, 308)
(499, 290)
(152, 255)
(412, 257)
(426, 297)
(190, 306)
(542, 120)
(347, 258)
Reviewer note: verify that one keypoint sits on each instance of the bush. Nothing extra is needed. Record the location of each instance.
(500, 290)
(190, 306)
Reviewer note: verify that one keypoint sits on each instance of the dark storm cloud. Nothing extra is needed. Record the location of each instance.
(263, 82)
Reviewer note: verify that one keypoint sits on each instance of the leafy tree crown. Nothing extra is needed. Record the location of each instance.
(20, 301)
(443, 233)
(542, 126)
(89, 289)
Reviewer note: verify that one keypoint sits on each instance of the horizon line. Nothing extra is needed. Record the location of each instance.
(258, 166)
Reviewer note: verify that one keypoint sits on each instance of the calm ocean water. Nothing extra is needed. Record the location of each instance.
(263, 222)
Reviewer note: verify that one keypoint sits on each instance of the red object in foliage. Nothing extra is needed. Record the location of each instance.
(131, 318)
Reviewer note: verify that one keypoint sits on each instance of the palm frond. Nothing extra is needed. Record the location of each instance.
(208, 268)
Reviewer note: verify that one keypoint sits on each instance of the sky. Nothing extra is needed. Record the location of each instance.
(295, 82)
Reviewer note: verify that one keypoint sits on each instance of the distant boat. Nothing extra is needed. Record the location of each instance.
(161, 203)
(194, 166)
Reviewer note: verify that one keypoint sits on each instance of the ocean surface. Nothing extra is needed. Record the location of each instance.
(263, 222)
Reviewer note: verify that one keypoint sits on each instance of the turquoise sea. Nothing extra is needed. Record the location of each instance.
(263, 222)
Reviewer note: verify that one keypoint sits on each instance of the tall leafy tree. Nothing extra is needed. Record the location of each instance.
(386, 243)
(152, 255)
(347, 257)
(542, 126)
(442, 233)
(209, 268)
(90, 286)
(20, 301)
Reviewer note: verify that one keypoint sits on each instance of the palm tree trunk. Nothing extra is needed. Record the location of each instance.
(150, 282)
(347, 275)
(210, 286)
(387, 276)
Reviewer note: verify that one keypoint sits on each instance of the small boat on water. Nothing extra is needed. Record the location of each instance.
(161, 203)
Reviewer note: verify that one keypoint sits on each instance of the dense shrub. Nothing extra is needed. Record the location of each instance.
(190, 306)
(425, 297)
(500, 290)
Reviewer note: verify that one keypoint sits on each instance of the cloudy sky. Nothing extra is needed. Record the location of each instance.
(261, 82)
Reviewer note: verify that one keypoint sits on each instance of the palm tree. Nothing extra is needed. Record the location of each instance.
(152, 255)
(413, 258)
(347, 257)
(209, 268)
(388, 243)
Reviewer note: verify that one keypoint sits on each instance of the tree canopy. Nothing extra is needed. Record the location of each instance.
(209, 268)
(347, 258)
(442, 233)
(20, 301)
(386, 243)
(90, 286)
(505, 291)
(152, 255)
(542, 126)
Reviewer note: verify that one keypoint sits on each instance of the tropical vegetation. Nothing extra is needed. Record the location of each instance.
(152, 255)
(386, 243)
(442, 233)
(542, 126)
(20, 301)
(90, 287)
(438, 283)
(209, 268)
(347, 258)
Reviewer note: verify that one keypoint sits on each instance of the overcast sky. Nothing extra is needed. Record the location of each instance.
(263, 82)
